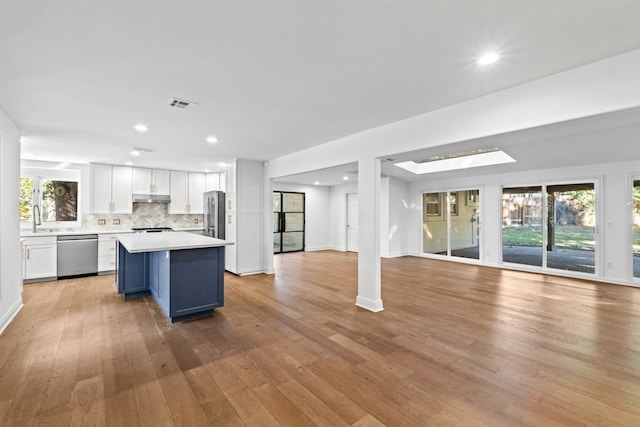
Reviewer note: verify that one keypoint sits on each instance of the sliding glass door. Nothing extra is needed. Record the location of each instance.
(288, 222)
(522, 225)
(451, 223)
(571, 237)
(550, 226)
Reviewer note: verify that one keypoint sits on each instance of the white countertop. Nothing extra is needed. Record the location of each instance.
(43, 232)
(153, 242)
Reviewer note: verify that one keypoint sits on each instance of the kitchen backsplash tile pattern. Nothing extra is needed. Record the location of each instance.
(144, 215)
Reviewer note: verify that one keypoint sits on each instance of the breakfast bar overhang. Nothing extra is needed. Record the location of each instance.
(183, 272)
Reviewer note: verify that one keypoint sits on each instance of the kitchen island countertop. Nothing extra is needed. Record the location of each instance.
(153, 242)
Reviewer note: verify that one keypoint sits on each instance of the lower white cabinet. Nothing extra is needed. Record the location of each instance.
(40, 258)
(107, 252)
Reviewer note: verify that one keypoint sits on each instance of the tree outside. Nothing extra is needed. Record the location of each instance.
(26, 199)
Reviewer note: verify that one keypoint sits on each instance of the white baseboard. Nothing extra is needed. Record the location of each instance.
(10, 314)
(317, 248)
(369, 304)
(394, 254)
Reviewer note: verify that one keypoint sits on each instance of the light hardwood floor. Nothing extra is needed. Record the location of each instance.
(456, 345)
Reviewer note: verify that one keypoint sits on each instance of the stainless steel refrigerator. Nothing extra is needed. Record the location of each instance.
(214, 214)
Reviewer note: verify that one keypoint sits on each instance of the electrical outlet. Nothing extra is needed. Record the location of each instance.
(102, 222)
(116, 221)
(196, 220)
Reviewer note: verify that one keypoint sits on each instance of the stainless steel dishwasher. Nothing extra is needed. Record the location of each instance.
(77, 255)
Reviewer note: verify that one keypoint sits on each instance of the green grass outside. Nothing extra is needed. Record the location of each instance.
(566, 237)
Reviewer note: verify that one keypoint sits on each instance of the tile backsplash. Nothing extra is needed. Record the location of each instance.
(144, 215)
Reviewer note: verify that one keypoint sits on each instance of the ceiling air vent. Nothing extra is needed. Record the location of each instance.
(182, 104)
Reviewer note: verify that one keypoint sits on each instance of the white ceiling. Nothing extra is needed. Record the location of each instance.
(275, 77)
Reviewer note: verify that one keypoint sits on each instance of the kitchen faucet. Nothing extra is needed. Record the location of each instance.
(36, 219)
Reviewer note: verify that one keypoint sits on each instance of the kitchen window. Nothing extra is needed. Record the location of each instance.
(54, 200)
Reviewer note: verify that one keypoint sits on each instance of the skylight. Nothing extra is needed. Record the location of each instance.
(457, 161)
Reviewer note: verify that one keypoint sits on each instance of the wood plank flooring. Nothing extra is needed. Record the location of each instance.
(457, 345)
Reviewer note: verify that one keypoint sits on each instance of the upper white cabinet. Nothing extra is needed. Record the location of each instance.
(212, 182)
(111, 189)
(151, 181)
(196, 191)
(187, 189)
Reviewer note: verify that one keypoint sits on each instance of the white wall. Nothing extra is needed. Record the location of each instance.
(10, 249)
(384, 216)
(338, 215)
(397, 230)
(394, 211)
(317, 213)
(614, 222)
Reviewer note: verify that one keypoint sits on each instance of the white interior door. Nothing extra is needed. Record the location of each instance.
(352, 222)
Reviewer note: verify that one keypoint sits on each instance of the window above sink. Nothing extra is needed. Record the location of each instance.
(52, 195)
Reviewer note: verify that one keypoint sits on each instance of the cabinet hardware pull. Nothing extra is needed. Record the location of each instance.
(27, 253)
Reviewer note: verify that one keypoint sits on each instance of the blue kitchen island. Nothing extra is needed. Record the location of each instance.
(183, 272)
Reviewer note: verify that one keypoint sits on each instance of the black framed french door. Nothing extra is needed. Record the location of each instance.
(288, 222)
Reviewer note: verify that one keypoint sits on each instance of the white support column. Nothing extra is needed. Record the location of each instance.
(267, 208)
(369, 277)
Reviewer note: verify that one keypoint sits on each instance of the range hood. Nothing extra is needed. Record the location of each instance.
(151, 198)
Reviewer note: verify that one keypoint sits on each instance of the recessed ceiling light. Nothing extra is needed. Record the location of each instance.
(222, 164)
(141, 127)
(345, 178)
(488, 58)
(317, 183)
(212, 139)
(128, 163)
(206, 170)
(135, 152)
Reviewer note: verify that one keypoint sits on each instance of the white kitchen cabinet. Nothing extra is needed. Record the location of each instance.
(243, 216)
(212, 182)
(230, 187)
(107, 252)
(111, 189)
(196, 191)
(40, 258)
(151, 181)
(187, 190)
